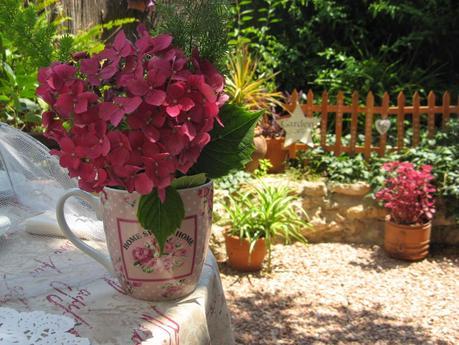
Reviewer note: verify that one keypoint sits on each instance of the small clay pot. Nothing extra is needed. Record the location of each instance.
(407, 242)
(239, 257)
(259, 153)
(276, 154)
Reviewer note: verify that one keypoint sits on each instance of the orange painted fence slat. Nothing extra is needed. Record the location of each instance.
(324, 119)
(416, 119)
(372, 112)
(354, 120)
(369, 125)
(446, 109)
(339, 123)
(401, 120)
(383, 137)
(431, 114)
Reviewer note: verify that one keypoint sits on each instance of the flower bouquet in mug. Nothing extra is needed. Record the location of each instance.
(148, 128)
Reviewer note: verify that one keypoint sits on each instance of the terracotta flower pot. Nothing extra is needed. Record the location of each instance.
(407, 242)
(238, 253)
(261, 148)
(276, 154)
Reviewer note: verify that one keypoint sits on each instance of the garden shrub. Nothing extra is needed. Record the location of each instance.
(408, 193)
(378, 45)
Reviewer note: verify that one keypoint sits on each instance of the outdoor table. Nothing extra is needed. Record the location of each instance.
(49, 274)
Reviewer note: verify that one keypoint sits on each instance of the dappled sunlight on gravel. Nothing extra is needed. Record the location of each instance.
(345, 294)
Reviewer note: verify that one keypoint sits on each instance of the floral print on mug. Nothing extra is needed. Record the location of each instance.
(147, 257)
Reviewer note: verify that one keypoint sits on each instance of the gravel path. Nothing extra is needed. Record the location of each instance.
(344, 294)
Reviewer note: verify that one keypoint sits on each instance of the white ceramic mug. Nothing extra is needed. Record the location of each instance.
(134, 254)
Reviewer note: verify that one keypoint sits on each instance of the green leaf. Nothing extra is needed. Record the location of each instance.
(189, 181)
(28, 105)
(247, 18)
(161, 219)
(231, 146)
(9, 72)
(32, 118)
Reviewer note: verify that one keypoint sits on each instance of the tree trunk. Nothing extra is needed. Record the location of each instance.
(86, 13)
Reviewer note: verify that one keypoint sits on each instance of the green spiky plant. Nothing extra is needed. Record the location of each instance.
(265, 212)
(201, 24)
(246, 86)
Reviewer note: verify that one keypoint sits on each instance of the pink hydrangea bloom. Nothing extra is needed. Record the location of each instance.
(132, 115)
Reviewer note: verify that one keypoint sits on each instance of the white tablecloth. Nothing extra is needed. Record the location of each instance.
(50, 274)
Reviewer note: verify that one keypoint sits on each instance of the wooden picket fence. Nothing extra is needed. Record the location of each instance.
(415, 112)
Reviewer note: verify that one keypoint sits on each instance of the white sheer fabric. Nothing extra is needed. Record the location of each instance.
(31, 182)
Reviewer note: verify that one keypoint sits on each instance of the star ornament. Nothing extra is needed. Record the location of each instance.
(298, 127)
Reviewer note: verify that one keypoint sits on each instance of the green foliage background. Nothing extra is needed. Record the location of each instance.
(28, 41)
(359, 45)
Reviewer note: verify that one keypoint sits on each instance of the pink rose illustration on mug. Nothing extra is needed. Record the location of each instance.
(142, 255)
(147, 257)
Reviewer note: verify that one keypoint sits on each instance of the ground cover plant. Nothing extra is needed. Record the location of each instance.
(317, 162)
(232, 181)
(440, 152)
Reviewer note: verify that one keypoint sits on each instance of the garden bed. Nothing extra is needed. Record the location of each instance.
(344, 294)
(345, 213)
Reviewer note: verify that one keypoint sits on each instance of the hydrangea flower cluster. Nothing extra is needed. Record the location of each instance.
(131, 115)
(408, 193)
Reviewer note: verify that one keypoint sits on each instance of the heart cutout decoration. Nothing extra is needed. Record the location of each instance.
(382, 126)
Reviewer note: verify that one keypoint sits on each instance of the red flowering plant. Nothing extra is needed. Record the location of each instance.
(408, 193)
(142, 116)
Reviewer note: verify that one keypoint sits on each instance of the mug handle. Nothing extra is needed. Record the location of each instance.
(94, 202)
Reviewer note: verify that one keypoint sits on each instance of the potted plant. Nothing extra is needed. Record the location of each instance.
(408, 196)
(275, 138)
(147, 128)
(254, 219)
(246, 87)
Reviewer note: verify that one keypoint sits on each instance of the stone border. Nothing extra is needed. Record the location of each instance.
(340, 212)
